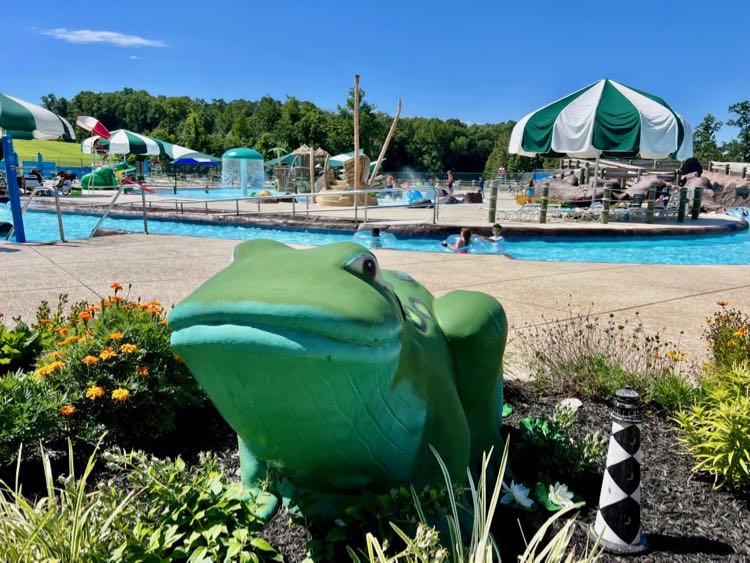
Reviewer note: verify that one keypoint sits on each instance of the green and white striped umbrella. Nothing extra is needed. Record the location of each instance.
(123, 141)
(23, 120)
(605, 118)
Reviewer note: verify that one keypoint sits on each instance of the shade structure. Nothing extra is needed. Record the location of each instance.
(339, 160)
(123, 141)
(604, 119)
(175, 152)
(23, 120)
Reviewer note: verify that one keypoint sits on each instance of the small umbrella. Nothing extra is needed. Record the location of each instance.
(123, 141)
(23, 120)
(605, 118)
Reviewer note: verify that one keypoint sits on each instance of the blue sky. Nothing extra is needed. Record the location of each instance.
(477, 61)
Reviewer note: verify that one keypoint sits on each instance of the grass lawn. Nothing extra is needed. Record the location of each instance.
(51, 151)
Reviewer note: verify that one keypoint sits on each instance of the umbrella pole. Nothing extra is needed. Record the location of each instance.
(596, 180)
(356, 146)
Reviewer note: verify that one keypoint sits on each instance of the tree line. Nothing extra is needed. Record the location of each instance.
(424, 144)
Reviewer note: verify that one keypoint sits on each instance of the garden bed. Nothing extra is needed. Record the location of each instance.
(683, 517)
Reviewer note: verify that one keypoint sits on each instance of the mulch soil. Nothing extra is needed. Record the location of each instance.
(683, 517)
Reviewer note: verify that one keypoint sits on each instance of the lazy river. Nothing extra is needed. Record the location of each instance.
(729, 248)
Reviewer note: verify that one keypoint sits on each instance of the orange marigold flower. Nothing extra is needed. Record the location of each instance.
(69, 340)
(94, 392)
(129, 348)
(90, 360)
(116, 286)
(177, 357)
(57, 355)
(163, 321)
(742, 331)
(722, 303)
(61, 331)
(115, 299)
(44, 321)
(85, 316)
(67, 410)
(120, 394)
(143, 371)
(116, 335)
(50, 368)
(107, 353)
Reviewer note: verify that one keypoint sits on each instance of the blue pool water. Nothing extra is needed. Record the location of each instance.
(731, 248)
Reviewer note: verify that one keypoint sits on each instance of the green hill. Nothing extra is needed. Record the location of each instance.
(51, 151)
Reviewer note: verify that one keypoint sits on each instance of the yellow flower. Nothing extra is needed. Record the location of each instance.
(742, 331)
(116, 286)
(61, 331)
(69, 340)
(107, 353)
(67, 410)
(143, 371)
(120, 394)
(50, 368)
(116, 335)
(94, 392)
(129, 348)
(722, 303)
(57, 355)
(90, 360)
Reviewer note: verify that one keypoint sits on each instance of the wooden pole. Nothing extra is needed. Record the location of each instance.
(385, 145)
(357, 163)
(312, 171)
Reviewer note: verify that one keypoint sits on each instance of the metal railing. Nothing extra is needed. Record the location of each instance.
(300, 203)
(114, 201)
(27, 203)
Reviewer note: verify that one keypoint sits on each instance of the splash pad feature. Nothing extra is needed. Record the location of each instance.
(242, 167)
(341, 375)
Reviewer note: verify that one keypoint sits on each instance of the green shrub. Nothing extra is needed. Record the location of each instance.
(716, 429)
(18, 348)
(114, 364)
(728, 336)
(29, 413)
(590, 357)
(182, 514)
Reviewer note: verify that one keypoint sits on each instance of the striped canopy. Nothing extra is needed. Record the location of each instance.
(605, 118)
(23, 120)
(123, 141)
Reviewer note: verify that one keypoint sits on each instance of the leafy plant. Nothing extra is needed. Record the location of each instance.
(587, 356)
(114, 364)
(728, 336)
(29, 413)
(548, 452)
(18, 347)
(69, 524)
(183, 515)
(716, 429)
(480, 547)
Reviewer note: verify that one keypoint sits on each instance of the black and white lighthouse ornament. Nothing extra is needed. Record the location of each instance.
(618, 520)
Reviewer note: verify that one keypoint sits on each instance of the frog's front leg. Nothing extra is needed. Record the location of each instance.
(476, 329)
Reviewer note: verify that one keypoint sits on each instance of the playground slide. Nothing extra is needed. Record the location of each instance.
(128, 181)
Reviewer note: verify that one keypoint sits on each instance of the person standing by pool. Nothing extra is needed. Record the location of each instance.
(449, 183)
(530, 191)
(481, 185)
(389, 186)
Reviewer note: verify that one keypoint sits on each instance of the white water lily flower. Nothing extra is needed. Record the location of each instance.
(560, 495)
(516, 493)
(572, 404)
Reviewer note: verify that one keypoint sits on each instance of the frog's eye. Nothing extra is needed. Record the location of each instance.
(367, 266)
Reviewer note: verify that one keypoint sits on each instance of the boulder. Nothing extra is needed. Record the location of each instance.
(699, 182)
(646, 183)
(572, 180)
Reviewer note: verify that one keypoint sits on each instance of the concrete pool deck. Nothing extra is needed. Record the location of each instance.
(669, 298)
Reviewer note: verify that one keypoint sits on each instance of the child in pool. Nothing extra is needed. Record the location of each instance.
(462, 243)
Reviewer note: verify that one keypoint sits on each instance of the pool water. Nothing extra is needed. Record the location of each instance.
(730, 248)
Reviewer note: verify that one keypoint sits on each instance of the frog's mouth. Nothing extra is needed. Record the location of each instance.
(281, 330)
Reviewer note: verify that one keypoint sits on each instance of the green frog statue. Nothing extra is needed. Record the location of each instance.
(341, 375)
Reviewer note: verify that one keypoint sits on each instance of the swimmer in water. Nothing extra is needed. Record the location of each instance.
(461, 244)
